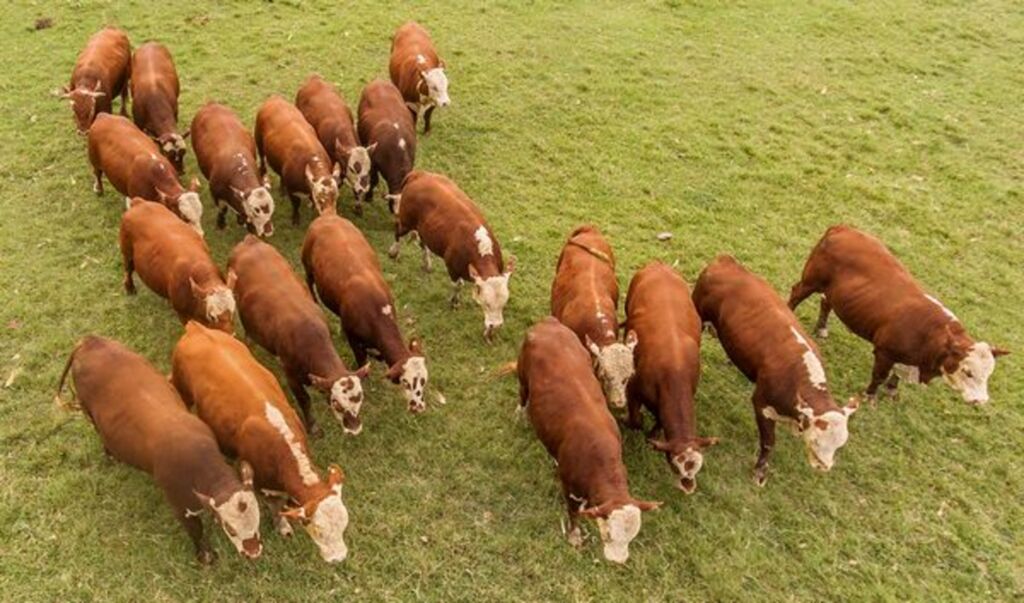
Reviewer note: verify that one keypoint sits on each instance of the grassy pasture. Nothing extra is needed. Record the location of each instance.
(740, 127)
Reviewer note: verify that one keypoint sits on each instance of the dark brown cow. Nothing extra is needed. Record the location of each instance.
(585, 298)
(326, 110)
(226, 153)
(280, 314)
(564, 403)
(175, 263)
(101, 72)
(915, 337)
(659, 310)
(244, 405)
(450, 225)
(418, 72)
(286, 140)
(133, 164)
(345, 270)
(385, 125)
(142, 422)
(766, 342)
(155, 92)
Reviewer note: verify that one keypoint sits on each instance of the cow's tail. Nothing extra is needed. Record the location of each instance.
(505, 370)
(72, 404)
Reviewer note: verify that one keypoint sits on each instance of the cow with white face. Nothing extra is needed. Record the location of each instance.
(418, 72)
(613, 364)
(344, 397)
(357, 171)
(491, 294)
(239, 515)
(155, 90)
(915, 336)
(325, 519)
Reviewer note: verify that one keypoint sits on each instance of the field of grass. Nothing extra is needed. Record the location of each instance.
(744, 128)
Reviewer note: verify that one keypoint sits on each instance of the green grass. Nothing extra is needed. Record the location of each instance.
(744, 128)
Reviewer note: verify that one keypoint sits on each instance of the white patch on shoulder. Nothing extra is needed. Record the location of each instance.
(395, 125)
(401, 143)
(944, 309)
(483, 241)
(907, 373)
(386, 310)
(815, 371)
(274, 416)
(420, 59)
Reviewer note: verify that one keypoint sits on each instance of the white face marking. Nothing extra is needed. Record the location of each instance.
(815, 372)
(971, 376)
(357, 173)
(688, 465)
(191, 209)
(327, 527)
(239, 517)
(386, 310)
(437, 86)
(492, 295)
(258, 206)
(907, 373)
(944, 309)
(277, 420)
(614, 367)
(325, 192)
(347, 399)
(822, 442)
(484, 245)
(621, 527)
(218, 302)
(414, 382)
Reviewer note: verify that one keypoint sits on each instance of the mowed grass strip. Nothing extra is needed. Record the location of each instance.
(744, 128)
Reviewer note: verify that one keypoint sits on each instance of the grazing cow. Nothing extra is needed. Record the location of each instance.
(385, 125)
(585, 298)
(659, 310)
(328, 113)
(244, 405)
(764, 339)
(101, 72)
(279, 313)
(286, 140)
(564, 403)
(418, 72)
(155, 91)
(916, 338)
(449, 224)
(133, 164)
(226, 153)
(175, 263)
(345, 270)
(143, 422)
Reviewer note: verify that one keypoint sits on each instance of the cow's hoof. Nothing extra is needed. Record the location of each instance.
(575, 537)
(822, 334)
(284, 528)
(315, 431)
(206, 557)
(129, 288)
(393, 250)
(761, 476)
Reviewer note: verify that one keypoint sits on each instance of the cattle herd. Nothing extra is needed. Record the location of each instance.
(572, 366)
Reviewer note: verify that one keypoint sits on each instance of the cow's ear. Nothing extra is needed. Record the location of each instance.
(706, 442)
(206, 501)
(647, 505)
(364, 371)
(187, 133)
(997, 352)
(510, 265)
(371, 148)
(806, 414)
(660, 445)
(591, 346)
(441, 63)
(232, 279)
(631, 339)
(194, 286)
(336, 171)
(416, 346)
(309, 174)
(238, 193)
(335, 475)
(340, 149)
(473, 273)
(193, 185)
(851, 406)
(595, 512)
(295, 513)
(395, 372)
(245, 473)
(320, 383)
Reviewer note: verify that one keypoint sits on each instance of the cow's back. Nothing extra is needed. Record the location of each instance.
(154, 82)
(287, 137)
(325, 109)
(218, 135)
(346, 267)
(585, 287)
(127, 157)
(162, 244)
(660, 309)
(107, 58)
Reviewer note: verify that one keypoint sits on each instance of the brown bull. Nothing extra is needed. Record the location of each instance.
(418, 72)
(155, 90)
(101, 72)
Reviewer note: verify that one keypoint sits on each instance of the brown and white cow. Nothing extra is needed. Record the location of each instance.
(244, 405)
(326, 110)
(155, 92)
(564, 403)
(450, 225)
(175, 263)
(764, 339)
(279, 313)
(585, 298)
(659, 310)
(344, 268)
(385, 125)
(226, 153)
(286, 140)
(418, 72)
(101, 72)
(916, 338)
(143, 422)
(133, 164)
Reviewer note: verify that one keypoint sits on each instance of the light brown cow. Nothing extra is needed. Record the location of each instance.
(142, 422)
(286, 140)
(418, 72)
(564, 404)
(326, 110)
(133, 164)
(226, 153)
(155, 92)
(344, 268)
(385, 125)
(766, 342)
(280, 315)
(585, 298)
(175, 263)
(101, 72)
(915, 337)
(244, 405)
(659, 310)
(450, 225)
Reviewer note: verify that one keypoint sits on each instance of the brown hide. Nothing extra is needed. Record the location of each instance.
(384, 121)
(412, 55)
(155, 89)
(326, 110)
(101, 72)
(585, 292)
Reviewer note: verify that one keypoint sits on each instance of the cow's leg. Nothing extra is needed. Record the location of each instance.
(653, 431)
(573, 534)
(97, 185)
(766, 433)
(427, 266)
(633, 403)
(456, 290)
(821, 329)
(194, 527)
(302, 398)
(129, 269)
(426, 119)
(124, 100)
(374, 179)
(879, 373)
(798, 294)
(296, 203)
(311, 283)
(892, 387)
(275, 504)
(222, 213)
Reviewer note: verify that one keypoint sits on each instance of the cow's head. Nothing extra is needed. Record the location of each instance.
(258, 206)
(357, 170)
(324, 189)
(173, 147)
(239, 515)
(436, 83)
(187, 205)
(823, 434)
(83, 103)
(345, 397)
(614, 367)
(325, 520)
(412, 375)
(686, 458)
(491, 294)
(966, 368)
(619, 524)
(218, 303)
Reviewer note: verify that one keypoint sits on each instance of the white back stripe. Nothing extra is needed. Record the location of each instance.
(276, 419)
(815, 372)
(483, 241)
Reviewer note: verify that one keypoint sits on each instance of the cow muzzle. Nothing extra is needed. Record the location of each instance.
(252, 548)
(351, 423)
